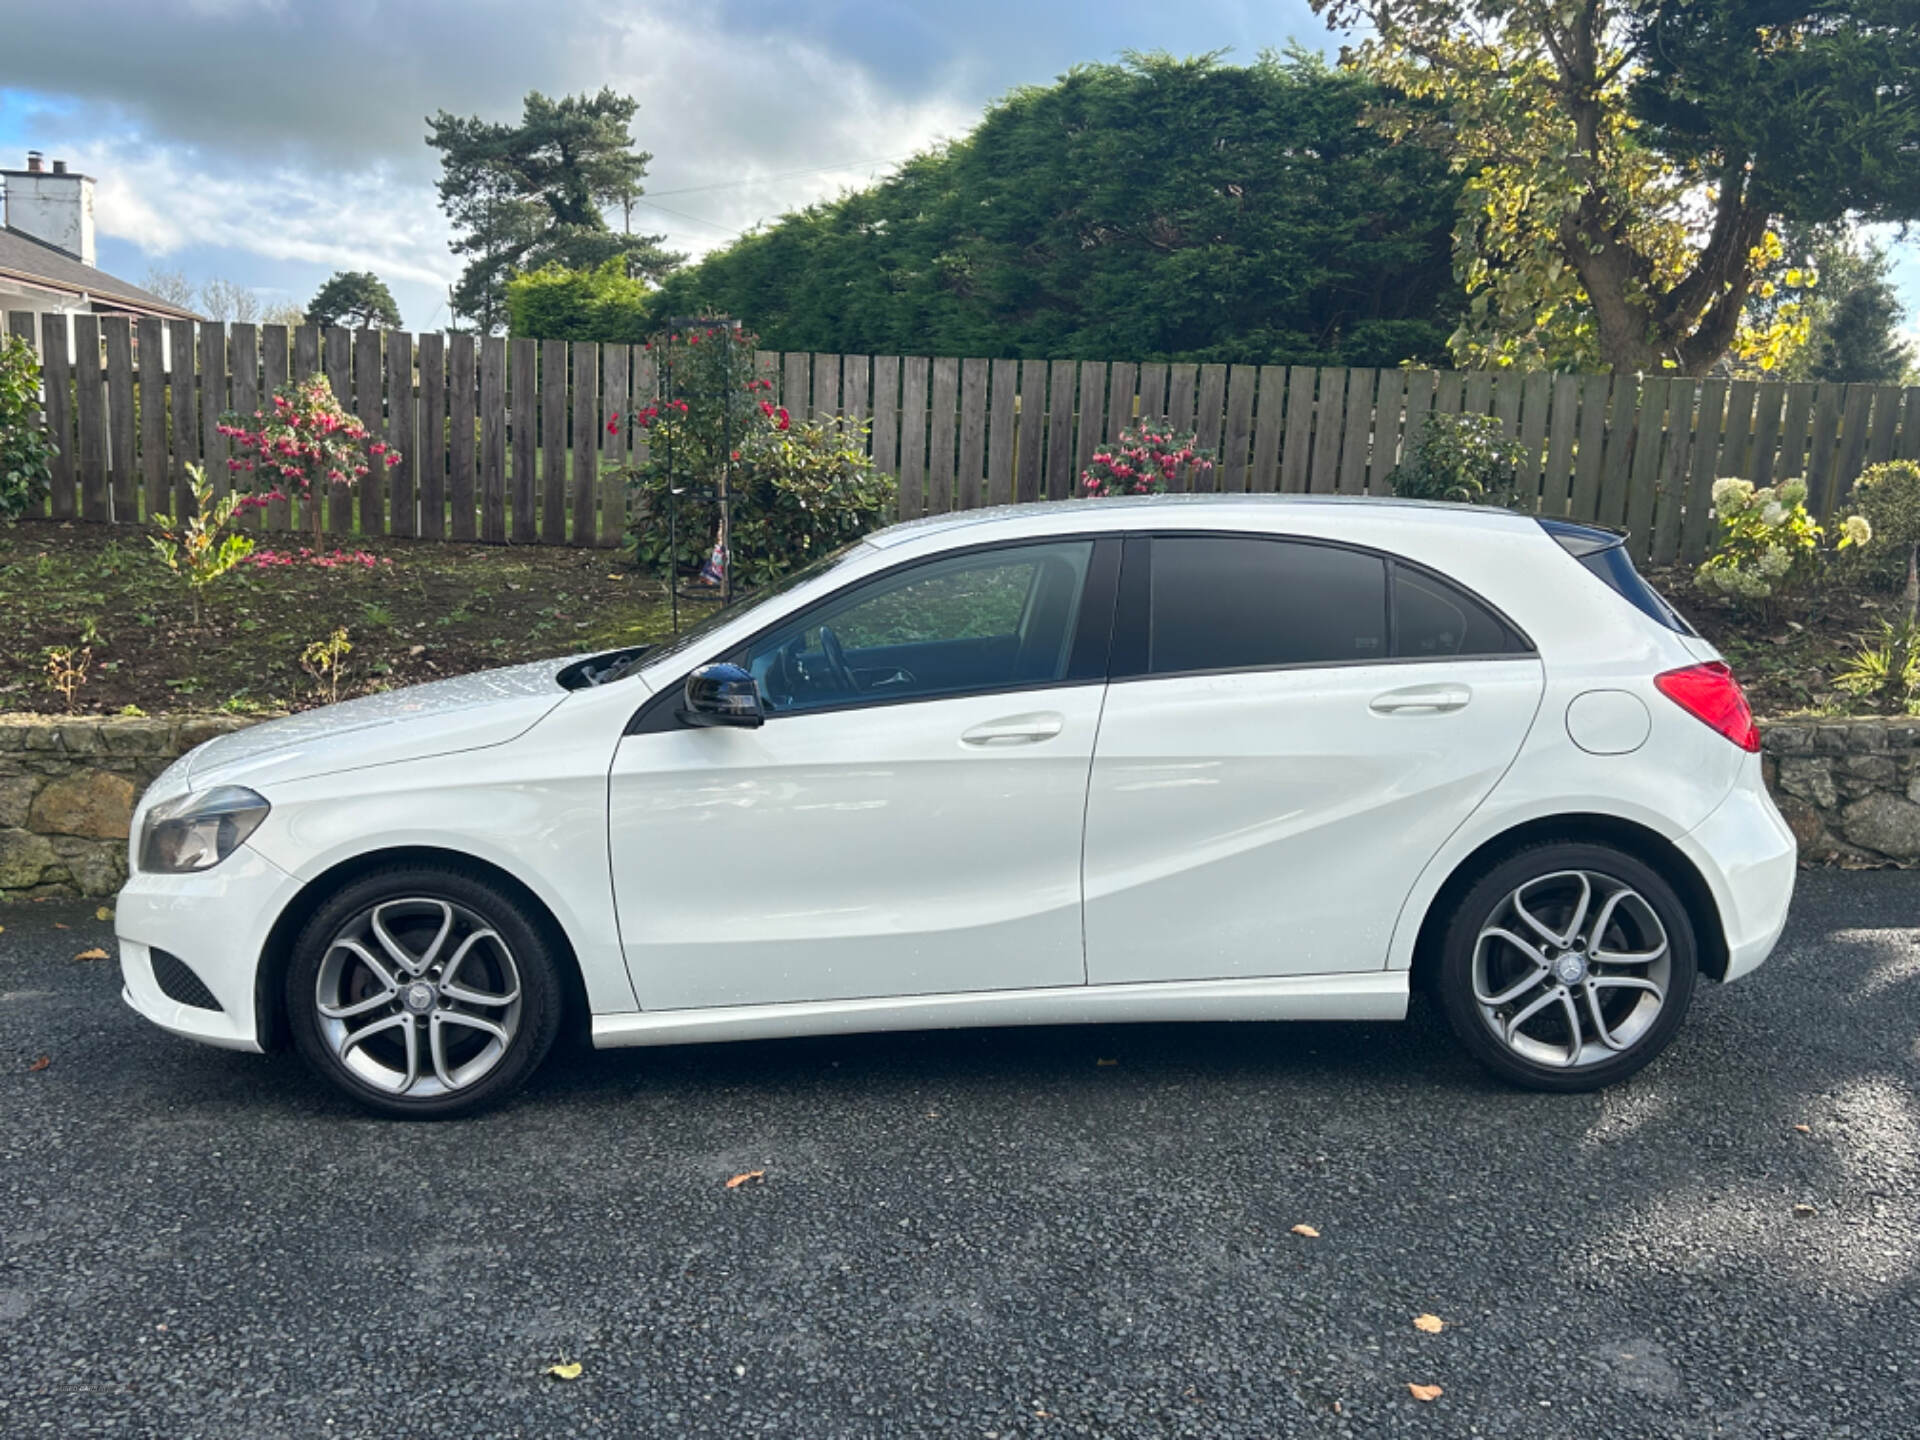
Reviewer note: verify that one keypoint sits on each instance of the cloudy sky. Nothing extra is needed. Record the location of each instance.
(272, 142)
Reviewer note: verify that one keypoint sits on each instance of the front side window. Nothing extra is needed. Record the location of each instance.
(1237, 603)
(994, 619)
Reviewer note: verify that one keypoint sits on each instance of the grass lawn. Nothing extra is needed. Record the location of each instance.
(422, 611)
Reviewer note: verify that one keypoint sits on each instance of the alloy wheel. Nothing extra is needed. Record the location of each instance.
(418, 997)
(1571, 969)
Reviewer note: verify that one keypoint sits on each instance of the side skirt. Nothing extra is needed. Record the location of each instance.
(1371, 995)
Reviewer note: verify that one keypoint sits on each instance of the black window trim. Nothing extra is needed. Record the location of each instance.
(1133, 611)
(1093, 636)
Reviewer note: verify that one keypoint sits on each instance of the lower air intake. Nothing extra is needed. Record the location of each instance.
(178, 982)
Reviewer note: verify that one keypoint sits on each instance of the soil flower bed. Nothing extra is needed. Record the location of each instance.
(413, 611)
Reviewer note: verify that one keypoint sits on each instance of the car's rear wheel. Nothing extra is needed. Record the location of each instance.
(1568, 966)
(423, 993)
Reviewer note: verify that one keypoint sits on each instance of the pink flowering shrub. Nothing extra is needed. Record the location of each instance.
(1143, 461)
(299, 443)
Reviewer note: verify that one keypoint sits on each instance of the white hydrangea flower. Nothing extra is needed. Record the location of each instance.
(1775, 562)
(1774, 514)
(1857, 529)
(1793, 492)
(1730, 494)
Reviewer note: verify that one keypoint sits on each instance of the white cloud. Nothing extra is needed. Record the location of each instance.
(729, 117)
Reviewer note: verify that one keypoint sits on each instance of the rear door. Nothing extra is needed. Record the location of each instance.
(1291, 730)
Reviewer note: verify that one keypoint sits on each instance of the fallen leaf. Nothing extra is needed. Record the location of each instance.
(103, 913)
(58, 926)
(1431, 1324)
(1106, 1062)
(1804, 1129)
(1424, 1393)
(569, 1371)
(94, 954)
(745, 1177)
(1804, 1211)
(40, 1064)
(1306, 1230)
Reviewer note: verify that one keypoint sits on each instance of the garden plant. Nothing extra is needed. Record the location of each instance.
(1768, 545)
(1887, 667)
(302, 441)
(26, 455)
(1467, 459)
(201, 547)
(794, 489)
(1144, 461)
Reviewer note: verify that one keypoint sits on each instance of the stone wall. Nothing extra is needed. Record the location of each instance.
(67, 790)
(1849, 789)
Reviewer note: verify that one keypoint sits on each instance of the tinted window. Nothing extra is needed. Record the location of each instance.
(1227, 604)
(1433, 620)
(985, 621)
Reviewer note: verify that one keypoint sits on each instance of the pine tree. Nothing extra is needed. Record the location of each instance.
(526, 195)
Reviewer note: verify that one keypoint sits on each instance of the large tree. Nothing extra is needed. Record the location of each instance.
(1157, 208)
(357, 298)
(1627, 160)
(534, 193)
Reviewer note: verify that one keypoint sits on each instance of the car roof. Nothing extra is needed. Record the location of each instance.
(1127, 512)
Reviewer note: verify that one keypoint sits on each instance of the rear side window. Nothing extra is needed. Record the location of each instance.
(1232, 603)
(1603, 554)
(1435, 620)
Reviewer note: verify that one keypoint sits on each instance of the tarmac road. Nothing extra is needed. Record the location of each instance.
(982, 1234)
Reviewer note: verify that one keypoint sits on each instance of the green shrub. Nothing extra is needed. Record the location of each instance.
(200, 548)
(1466, 459)
(26, 455)
(554, 303)
(797, 488)
(1888, 498)
(1886, 669)
(798, 492)
(1768, 546)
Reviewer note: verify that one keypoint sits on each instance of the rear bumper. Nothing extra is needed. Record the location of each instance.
(1750, 860)
(216, 923)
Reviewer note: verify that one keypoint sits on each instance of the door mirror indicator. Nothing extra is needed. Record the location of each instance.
(722, 695)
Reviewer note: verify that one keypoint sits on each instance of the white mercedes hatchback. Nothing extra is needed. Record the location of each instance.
(1179, 758)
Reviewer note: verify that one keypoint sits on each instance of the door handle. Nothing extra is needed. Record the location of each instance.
(1435, 699)
(1016, 730)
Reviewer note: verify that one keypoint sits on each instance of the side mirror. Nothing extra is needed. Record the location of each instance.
(722, 695)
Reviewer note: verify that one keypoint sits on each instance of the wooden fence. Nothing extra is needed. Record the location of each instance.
(505, 441)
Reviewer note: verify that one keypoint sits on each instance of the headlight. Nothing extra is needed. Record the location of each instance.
(198, 831)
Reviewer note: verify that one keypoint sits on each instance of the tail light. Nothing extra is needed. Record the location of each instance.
(1712, 696)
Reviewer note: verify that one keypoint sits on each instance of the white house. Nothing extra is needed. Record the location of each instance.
(47, 251)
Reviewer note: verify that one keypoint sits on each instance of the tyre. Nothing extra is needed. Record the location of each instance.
(1568, 966)
(423, 993)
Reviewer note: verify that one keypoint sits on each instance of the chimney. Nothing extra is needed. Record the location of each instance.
(54, 207)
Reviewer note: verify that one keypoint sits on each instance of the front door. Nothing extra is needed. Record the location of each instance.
(907, 821)
(1293, 729)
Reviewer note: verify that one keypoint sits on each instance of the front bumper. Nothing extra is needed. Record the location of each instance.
(1750, 860)
(217, 923)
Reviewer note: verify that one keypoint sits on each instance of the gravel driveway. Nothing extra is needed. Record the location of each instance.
(987, 1234)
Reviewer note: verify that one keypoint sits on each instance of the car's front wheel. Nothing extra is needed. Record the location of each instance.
(423, 993)
(1568, 966)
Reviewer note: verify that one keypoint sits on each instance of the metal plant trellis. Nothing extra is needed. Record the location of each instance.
(682, 479)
